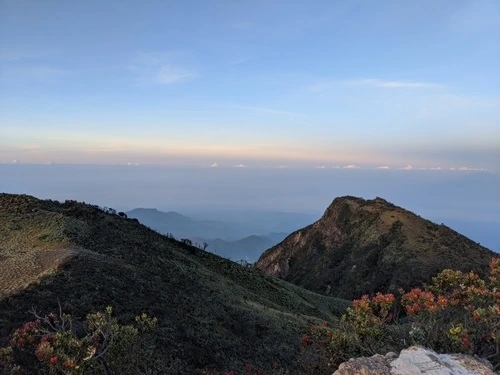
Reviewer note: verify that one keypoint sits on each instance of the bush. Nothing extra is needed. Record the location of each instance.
(55, 344)
(458, 312)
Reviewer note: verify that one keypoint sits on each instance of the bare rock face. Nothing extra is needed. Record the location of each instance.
(416, 361)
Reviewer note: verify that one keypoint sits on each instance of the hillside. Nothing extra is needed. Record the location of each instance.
(364, 246)
(211, 312)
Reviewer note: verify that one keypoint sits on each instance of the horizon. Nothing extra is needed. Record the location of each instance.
(467, 201)
(251, 84)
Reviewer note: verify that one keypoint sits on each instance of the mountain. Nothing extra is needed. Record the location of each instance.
(248, 248)
(364, 246)
(212, 313)
(228, 226)
(179, 225)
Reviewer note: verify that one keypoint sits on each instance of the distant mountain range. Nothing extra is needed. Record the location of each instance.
(244, 237)
(364, 246)
(246, 249)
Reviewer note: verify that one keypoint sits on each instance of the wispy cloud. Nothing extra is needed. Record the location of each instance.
(350, 166)
(239, 166)
(293, 117)
(383, 167)
(375, 83)
(214, 165)
(263, 109)
(471, 169)
(169, 74)
(157, 68)
(390, 84)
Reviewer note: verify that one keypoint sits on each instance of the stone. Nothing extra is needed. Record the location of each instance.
(416, 361)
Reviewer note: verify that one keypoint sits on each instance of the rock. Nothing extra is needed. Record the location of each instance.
(416, 361)
(376, 365)
(391, 355)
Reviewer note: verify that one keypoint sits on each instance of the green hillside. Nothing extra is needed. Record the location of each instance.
(211, 312)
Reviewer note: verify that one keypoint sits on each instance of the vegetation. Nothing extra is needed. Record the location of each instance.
(458, 313)
(212, 313)
(56, 344)
(367, 246)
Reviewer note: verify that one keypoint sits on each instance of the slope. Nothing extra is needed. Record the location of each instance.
(211, 311)
(364, 246)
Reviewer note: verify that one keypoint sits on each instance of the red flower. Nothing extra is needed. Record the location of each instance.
(53, 360)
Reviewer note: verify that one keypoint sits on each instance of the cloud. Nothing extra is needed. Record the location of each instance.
(321, 167)
(383, 167)
(375, 83)
(135, 164)
(214, 165)
(239, 166)
(263, 109)
(283, 166)
(408, 168)
(350, 166)
(471, 169)
(169, 74)
(158, 68)
(390, 84)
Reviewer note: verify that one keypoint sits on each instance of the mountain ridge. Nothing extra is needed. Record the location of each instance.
(363, 246)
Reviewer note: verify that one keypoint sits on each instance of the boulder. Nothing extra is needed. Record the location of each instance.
(416, 361)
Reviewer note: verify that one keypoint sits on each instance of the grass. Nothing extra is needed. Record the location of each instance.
(212, 312)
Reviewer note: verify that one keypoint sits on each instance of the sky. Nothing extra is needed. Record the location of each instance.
(329, 84)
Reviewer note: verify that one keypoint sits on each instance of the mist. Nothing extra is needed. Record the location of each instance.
(467, 201)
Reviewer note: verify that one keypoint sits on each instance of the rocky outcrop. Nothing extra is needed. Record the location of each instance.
(416, 361)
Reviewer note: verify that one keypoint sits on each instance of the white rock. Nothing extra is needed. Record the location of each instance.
(416, 361)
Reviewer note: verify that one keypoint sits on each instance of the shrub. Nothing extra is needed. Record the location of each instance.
(458, 312)
(58, 344)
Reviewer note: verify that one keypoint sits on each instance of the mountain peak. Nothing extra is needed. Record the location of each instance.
(362, 246)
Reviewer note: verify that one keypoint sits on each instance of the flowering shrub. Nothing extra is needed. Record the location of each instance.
(55, 344)
(458, 312)
(362, 331)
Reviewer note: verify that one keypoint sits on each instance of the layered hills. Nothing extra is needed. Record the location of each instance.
(365, 246)
(236, 236)
(212, 313)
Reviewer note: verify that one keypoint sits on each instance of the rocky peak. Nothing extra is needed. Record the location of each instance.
(363, 246)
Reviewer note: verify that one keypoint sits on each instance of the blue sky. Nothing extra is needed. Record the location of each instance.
(254, 83)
